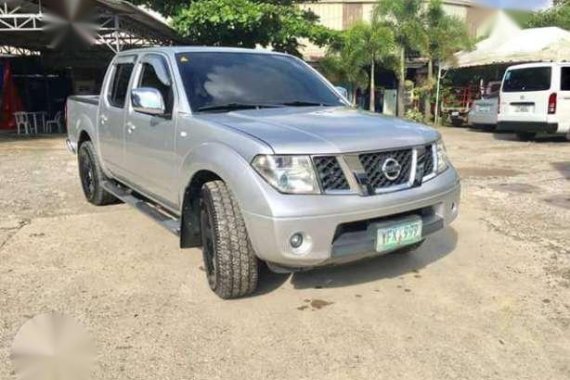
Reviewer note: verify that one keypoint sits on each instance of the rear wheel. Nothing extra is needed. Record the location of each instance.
(92, 177)
(526, 136)
(229, 260)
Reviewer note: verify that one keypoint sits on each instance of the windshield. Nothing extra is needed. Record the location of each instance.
(527, 80)
(214, 80)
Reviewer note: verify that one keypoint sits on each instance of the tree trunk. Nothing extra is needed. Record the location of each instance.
(427, 100)
(354, 92)
(401, 83)
(372, 87)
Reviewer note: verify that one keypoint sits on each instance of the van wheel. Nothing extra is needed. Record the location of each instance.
(92, 177)
(229, 260)
(526, 136)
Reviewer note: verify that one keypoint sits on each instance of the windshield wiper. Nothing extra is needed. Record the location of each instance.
(235, 106)
(303, 103)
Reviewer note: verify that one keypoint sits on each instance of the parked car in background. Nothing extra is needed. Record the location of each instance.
(254, 156)
(456, 104)
(535, 100)
(484, 112)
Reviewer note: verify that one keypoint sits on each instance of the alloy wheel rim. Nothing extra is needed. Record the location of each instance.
(88, 176)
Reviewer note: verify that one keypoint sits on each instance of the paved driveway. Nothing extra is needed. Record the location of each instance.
(486, 299)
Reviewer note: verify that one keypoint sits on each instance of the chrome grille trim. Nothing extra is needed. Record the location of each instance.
(357, 177)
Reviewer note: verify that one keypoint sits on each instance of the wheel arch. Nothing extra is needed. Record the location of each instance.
(190, 226)
(217, 161)
(83, 137)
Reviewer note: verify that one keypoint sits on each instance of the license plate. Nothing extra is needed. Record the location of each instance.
(455, 114)
(523, 109)
(484, 109)
(398, 234)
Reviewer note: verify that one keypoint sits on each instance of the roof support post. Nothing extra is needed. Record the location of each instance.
(117, 31)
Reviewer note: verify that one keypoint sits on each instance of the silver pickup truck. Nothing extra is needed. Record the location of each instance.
(254, 156)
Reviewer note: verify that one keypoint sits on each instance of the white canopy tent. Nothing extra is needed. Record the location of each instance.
(527, 45)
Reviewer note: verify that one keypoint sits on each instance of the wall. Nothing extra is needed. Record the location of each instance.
(341, 14)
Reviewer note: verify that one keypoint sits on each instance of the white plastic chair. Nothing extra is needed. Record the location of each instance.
(23, 122)
(57, 122)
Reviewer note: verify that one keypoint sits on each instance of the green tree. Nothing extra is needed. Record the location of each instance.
(342, 65)
(370, 45)
(278, 24)
(446, 35)
(405, 18)
(558, 15)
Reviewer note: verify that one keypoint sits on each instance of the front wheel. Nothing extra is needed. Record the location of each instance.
(229, 260)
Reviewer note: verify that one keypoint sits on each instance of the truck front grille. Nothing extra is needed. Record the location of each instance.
(426, 165)
(370, 173)
(330, 174)
(374, 162)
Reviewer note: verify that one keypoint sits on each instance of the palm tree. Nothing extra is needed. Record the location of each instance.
(405, 18)
(446, 36)
(340, 67)
(370, 45)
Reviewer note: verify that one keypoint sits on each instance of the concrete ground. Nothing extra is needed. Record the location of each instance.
(488, 298)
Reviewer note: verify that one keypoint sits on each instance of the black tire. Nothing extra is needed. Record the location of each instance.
(92, 176)
(526, 136)
(230, 263)
(410, 249)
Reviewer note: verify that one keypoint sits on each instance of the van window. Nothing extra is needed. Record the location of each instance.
(120, 84)
(527, 80)
(565, 79)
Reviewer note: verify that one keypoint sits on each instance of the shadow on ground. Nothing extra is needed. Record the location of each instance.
(563, 168)
(370, 270)
(507, 136)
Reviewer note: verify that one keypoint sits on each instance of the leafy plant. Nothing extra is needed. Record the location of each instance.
(414, 114)
(278, 24)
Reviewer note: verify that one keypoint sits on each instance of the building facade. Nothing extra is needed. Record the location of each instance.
(341, 14)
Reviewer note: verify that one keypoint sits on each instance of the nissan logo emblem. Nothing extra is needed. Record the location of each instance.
(391, 169)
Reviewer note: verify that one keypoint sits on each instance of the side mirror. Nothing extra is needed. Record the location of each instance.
(342, 91)
(148, 100)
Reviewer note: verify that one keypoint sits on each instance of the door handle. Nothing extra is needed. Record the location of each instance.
(131, 127)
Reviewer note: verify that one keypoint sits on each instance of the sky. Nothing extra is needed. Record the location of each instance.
(519, 4)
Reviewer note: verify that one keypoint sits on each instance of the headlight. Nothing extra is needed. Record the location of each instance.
(442, 161)
(288, 174)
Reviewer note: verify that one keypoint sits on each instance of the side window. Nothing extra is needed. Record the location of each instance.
(155, 74)
(120, 84)
(565, 79)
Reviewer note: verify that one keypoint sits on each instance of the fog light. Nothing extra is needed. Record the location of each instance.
(296, 240)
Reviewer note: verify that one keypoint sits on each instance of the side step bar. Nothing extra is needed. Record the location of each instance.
(149, 209)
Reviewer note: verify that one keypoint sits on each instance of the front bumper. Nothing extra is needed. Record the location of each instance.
(527, 127)
(339, 232)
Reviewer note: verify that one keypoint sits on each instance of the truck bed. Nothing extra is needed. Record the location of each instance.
(81, 112)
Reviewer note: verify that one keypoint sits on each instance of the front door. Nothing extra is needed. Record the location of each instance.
(150, 140)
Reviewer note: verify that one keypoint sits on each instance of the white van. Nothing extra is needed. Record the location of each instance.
(535, 99)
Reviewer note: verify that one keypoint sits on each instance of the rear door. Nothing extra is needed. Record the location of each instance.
(112, 113)
(525, 93)
(563, 110)
(150, 140)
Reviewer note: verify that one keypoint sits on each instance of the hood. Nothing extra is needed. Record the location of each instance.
(317, 130)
